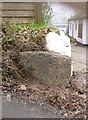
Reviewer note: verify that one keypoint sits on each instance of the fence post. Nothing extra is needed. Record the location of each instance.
(39, 15)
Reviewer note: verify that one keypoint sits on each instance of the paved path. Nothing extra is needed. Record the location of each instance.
(14, 109)
(20, 108)
(79, 58)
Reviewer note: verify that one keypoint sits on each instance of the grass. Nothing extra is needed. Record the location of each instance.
(73, 40)
(18, 28)
(34, 26)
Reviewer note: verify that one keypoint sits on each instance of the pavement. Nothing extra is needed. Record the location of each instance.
(23, 109)
(79, 67)
(78, 58)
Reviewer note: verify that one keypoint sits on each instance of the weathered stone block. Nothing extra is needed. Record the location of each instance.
(49, 67)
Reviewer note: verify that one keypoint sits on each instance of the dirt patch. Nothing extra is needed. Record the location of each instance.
(67, 101)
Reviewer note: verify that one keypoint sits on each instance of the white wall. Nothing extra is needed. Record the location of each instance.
(87, 31)
(75, 29)
(70, 28)
(84, 32)
(84, 39)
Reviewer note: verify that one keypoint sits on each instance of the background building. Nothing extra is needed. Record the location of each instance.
(77, 28)
(62, 27)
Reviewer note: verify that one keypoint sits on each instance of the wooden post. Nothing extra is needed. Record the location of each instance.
(0, 15)
(39, 15)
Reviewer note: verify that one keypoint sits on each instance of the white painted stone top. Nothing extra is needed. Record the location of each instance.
(58, 43)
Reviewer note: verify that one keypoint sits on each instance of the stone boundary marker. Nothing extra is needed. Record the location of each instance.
(49, 67)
